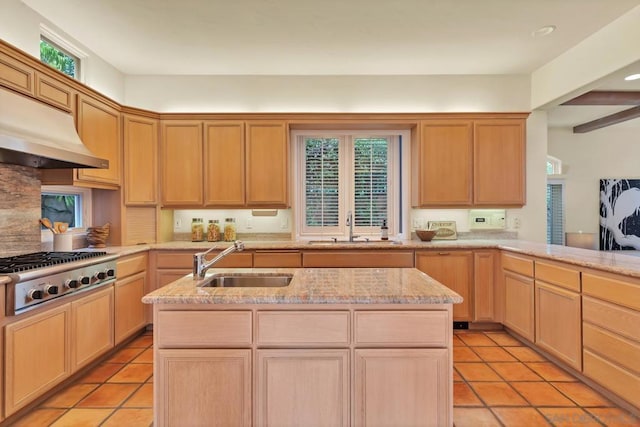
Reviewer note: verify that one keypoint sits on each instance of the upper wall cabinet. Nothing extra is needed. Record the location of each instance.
(181, 153)
(140, 142)
(267, 164)
(98, 124)
(16, 75)
(224, 163)
(470, 162)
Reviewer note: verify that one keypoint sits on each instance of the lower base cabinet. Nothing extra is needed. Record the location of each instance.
(302, 388)
(203, 387)
(401, 387)
(519, 304)
(92, 327)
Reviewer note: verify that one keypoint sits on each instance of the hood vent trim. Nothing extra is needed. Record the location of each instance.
(35, 135)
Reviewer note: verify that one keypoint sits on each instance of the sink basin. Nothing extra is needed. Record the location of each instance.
(247, 281)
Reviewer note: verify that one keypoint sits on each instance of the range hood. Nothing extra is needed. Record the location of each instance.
(32, 134)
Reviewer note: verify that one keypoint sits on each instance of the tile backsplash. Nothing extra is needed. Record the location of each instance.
(19, 210)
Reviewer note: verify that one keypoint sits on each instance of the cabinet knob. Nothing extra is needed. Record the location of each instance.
(35, 294)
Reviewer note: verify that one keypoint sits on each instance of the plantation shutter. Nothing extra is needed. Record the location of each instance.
(322, 181)
(555, 212)
(371, 177)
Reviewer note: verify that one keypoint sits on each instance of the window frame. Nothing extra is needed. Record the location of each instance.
(85, 208)
(397, 182)
(60, 43)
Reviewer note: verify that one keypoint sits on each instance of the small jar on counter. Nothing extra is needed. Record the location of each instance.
(229, 229)
(213, 231)
(197, 230)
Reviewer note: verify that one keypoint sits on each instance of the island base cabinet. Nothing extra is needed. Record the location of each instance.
(302, 388)
(203, 388)
(402, 387)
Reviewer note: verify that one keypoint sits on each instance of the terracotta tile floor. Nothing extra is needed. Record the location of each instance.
(497, 382)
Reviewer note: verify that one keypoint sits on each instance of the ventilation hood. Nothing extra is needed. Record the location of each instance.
(32, 134)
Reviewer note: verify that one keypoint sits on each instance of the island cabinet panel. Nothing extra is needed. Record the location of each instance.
(302, 328)
(499, 162)
(445, 149)
(401, 328)
(267, 166)
(91, 327)
(355, 259)
(181, 162)
(454, 269)
(203, 387)
(519, 289)
(140, 160)
(302, 387)
(40, 341)
(402, 387)
(224, 156)
(188, 329)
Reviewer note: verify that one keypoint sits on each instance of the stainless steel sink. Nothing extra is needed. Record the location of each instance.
(247, 281)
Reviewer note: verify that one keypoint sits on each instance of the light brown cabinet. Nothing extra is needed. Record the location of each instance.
(454, 269)
(443, 158)
(274, 259)
(558, 312)
(499, 163)
(203, 384)
(519, 295)
(485, 297)
(129, 312)
(297, 387)
(55, 92)
(91, 327)
(16, 75)
(140, 142)
(267, 166)
(358, 259)
(224, 163)
(181, 154)
(37, 356)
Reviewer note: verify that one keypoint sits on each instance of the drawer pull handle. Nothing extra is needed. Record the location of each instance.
(444, 253)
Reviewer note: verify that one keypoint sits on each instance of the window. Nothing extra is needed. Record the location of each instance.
(554, 166)
(555, 213)
(66, 204)
(59, 58)
(347, 172)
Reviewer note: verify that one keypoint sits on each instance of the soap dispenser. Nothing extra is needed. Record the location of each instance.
(384, 230)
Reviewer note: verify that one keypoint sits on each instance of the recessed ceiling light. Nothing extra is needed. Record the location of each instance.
(632, 77)
(543, 31)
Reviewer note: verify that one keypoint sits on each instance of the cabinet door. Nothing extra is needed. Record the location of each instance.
(499, 162)
(99, 128)
(403, 387)
(267, 164)
(36, 356)
(129, 309)
(16, 75)
(484, 263)
(445, 163)
(54, 92)
(91, 327)
(182, 163)
(140, 160)
(454, 269)
(558, 323)
(224, 163)
(203, 387)
(519, 300)
(302, 387)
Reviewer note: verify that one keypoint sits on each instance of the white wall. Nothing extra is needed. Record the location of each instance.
(328, 93)
(611, 152)
(20, 26)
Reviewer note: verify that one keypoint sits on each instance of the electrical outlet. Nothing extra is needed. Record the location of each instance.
(177, 224)
(416, 223)
(249, 224)
(516, 223)
(284, 223)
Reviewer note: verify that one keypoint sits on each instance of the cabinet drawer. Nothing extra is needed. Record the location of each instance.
(558, 275)
(282, 259)
(204, 329)
(185, 260)
(356, 259)
(620, 381)
(618, 319)
(517, 265)
(305, 328)
(626, 293)
(401, 328)
(611, 346)
(132, 265)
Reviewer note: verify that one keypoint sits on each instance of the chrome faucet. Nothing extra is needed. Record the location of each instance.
(201, 265)
(350, 225)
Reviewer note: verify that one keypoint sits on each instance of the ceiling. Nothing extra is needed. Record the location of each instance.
(337, 37)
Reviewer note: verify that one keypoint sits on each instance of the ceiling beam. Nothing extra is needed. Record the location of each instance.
(612, 119)
(606, 97)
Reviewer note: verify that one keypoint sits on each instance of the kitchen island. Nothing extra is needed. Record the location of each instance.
(337, 346)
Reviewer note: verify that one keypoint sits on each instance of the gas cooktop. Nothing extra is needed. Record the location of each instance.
(15, 264)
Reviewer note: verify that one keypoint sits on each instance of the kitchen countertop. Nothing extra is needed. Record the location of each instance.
(314, 286)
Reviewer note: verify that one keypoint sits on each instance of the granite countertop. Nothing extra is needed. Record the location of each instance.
(314, 286)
